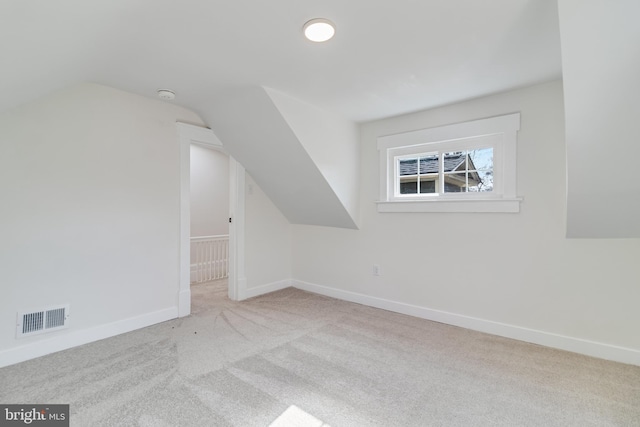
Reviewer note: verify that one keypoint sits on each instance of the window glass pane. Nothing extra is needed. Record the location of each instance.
(464, 171)
(429, 164)
(481, 159)
(481, 181)
(428, 184)
(454, 161)
(408, 167)
(409, 186)
(455, 183)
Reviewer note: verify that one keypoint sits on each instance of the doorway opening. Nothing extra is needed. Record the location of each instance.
(233, 266)
(209, 215)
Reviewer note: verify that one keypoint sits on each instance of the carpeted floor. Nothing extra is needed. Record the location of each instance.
(296, 358)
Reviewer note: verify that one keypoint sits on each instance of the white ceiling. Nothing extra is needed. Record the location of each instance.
(388, 57)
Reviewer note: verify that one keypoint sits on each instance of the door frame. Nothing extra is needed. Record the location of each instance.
(190, 134)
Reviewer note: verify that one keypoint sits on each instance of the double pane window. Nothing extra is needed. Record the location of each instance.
(435, 173)
(461, 167)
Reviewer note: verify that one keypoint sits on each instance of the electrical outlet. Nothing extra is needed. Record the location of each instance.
(376, 270)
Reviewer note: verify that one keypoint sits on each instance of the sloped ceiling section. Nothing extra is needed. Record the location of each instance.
(332, 142)
(601, 66)
(255, 133)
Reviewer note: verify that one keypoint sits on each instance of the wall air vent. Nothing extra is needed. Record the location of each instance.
(38, 322)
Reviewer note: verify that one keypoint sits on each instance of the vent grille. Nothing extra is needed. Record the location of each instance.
(55, 318)
(32, 322)
(37, 322)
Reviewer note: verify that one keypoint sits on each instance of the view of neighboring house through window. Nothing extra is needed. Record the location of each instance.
(445, 172)
(462, 167)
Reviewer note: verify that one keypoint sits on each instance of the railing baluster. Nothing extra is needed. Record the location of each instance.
(196, 249)
(211, 257)
(216, 273)
(215, 259)
(200, 259)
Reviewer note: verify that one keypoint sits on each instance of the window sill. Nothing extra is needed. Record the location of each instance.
(502, 205)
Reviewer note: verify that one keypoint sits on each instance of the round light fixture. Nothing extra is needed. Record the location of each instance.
(319, 30)
(166, 94)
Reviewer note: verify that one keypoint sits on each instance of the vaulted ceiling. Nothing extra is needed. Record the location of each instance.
(387, 58)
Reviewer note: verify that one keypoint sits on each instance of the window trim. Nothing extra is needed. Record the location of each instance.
(499, 133)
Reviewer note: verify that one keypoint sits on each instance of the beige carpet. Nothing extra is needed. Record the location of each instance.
(295, 358)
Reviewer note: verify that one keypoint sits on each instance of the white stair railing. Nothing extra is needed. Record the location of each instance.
(209, 258)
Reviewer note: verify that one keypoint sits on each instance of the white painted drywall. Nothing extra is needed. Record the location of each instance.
(267, 244)
(517, 269)
(331, 141)
(89, 181)
(209, 191)
(256, 134)
(601, 65)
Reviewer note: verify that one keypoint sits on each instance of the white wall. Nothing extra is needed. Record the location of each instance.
(267, 243)
(331, 141)
(511, 274)
(601, 65)
(89, 180)
(255, 132)
(209, 192)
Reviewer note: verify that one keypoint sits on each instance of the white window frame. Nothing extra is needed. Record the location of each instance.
(499, 133)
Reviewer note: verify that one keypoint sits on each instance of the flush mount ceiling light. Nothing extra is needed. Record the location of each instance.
(319, 30)
(166, 94)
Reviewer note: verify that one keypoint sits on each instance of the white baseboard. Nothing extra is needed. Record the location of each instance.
(264, 289)
(58, 342)
(548, 339)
